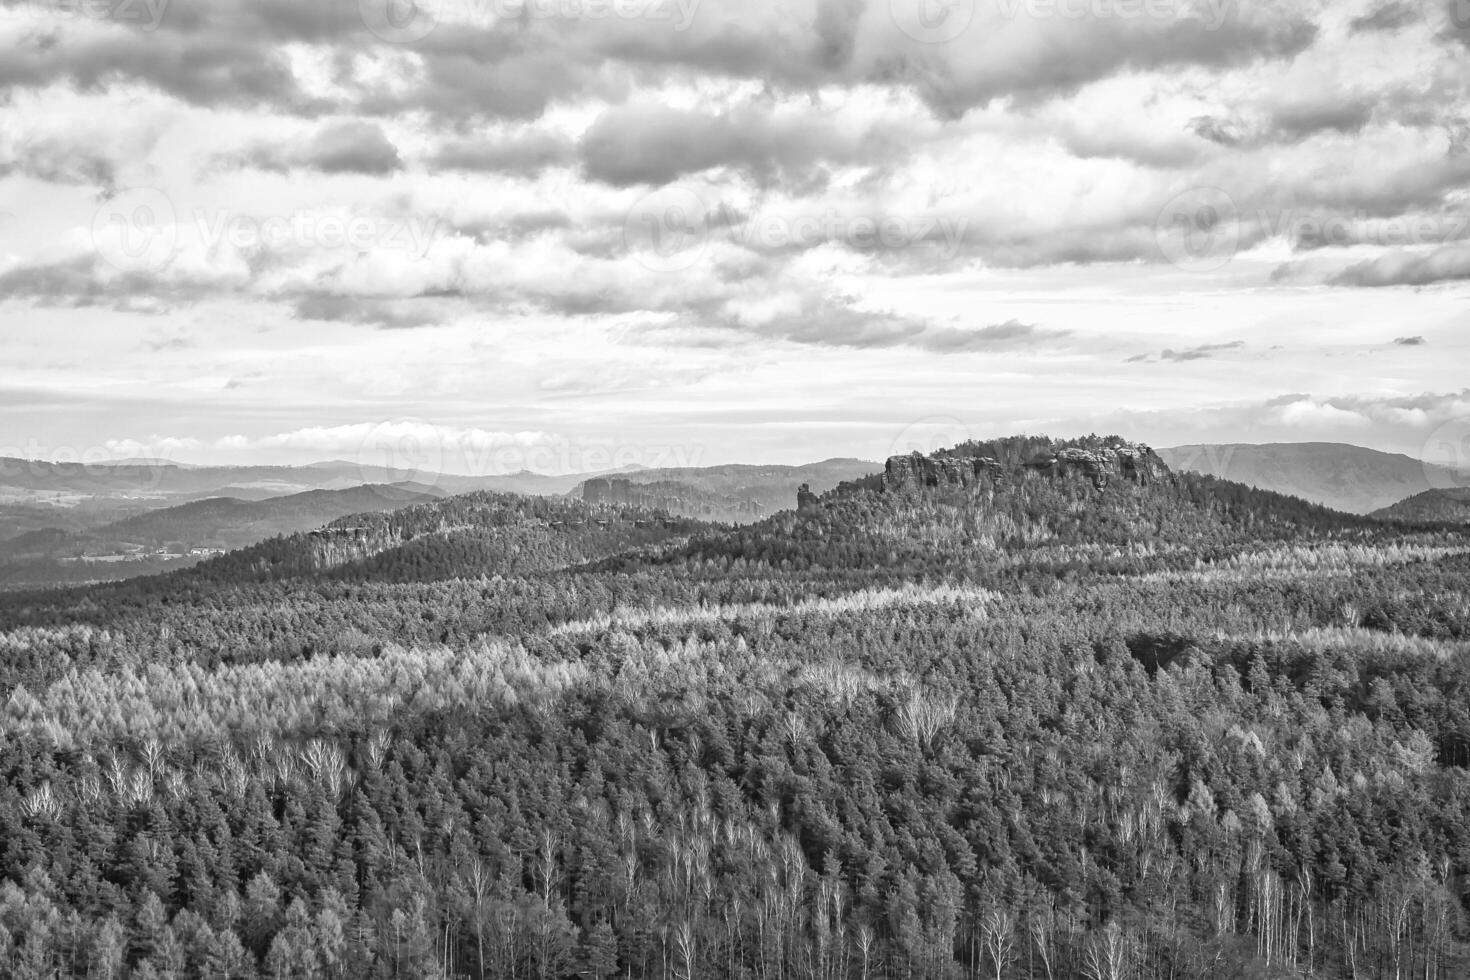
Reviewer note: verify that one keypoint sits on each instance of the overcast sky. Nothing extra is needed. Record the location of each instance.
(565, 232)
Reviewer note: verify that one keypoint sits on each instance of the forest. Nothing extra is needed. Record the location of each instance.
(1030, 726)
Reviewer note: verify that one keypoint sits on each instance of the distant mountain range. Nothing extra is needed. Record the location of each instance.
(174, 537)
(41, 482)
(1337, 475)
(1451, 505)
(63, 523)
(735, 493)
(71, 522)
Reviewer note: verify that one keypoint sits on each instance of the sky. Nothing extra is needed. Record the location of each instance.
(571, 235)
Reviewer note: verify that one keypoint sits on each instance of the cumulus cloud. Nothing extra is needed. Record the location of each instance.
(655, 144)
(1400, 268)
(1389, 17)
(350, 147)
(859, 189)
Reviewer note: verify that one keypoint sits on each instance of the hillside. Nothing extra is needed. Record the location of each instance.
(170, 537)
(1447, 505)
(1337, 475)
(1012, 708)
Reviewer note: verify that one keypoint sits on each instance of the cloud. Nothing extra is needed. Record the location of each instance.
(656, 144)
(58, 161)
(1399, 268)
(355, 309)
(1200, 353)
(1409, 341)
(1386, 17)
(1301, 412)
(523, 153)
(474, 63)
(351, 147)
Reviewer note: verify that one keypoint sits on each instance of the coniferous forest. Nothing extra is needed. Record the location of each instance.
(1016, 711)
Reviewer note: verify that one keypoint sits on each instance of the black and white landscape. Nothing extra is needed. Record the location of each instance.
(750, 489)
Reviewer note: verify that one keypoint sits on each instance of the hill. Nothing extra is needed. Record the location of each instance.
(1030, 708)
(1445, 505)
(1343, 477)
(160, 539)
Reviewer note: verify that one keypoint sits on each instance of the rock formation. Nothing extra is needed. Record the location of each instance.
(1100, 464)
(918, 470)
(1127, 461)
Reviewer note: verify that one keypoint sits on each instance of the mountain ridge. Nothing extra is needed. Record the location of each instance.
(1350, 478)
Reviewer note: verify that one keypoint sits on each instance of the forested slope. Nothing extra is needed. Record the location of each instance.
(961, 719)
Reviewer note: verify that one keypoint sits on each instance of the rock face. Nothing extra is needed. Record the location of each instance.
(805, 499)
(1126, 461)
(1101, 465)
(918, 470)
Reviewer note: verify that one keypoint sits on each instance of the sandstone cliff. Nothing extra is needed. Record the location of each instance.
(1100, 461)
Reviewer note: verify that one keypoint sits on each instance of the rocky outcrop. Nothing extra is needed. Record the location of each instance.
(805, 499)
(1101, 464)
(1125, 461)
(918, 470)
